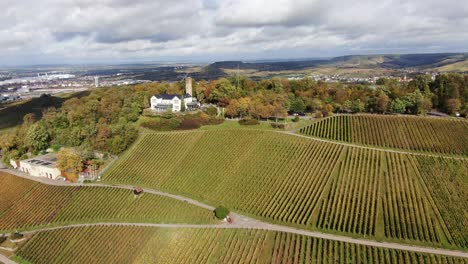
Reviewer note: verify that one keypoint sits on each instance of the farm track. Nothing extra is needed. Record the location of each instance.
(294, 133)
(240, 222)
(6, 260)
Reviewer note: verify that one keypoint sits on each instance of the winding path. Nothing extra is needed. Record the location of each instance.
(239, 221)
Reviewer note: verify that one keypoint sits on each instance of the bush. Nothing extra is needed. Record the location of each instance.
(248, 121)
(296, 119)
(318, 114)
(221, 212)
(278, 125)
(162, 124)
(212, 111)
(3, 239)
(55, 147)
(190, 124)
(16, 235)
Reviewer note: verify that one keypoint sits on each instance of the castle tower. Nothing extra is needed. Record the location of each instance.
(188, 86)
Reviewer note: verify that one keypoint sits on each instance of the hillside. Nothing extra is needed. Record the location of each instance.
(12, 115)
(305, 183)
(164, 245)
(27, 205)
(435, 135)
(438, 61)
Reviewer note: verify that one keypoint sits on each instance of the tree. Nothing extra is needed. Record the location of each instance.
(382, 102)
(398, 106)
(69, 161)
(453, 106)
(221, 212)
(417, 103)
(38, 137)
(357, 106)
(232, 110)
(297, 105)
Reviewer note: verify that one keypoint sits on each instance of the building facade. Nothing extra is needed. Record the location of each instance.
(174, 102)
(41, 166)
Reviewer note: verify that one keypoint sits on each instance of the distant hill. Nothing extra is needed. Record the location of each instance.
(436, 61)
(12, 115)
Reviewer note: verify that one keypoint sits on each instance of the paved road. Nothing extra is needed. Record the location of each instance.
(294, 133)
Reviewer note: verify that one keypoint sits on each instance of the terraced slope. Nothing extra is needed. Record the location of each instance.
(300, 182)
(165, 245)
(435, 135)
(26, 204)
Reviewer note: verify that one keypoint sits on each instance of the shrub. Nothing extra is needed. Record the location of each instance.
(318, 114)
(162, 124)
(221, 212)
(212, 111)
(248, 121)
(296, 119)
(278, 125)
(3, 239)
(16, 235)
(190, 124)
(55, 147)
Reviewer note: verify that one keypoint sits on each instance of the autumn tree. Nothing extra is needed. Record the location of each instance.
(69, 161)
(453, 106)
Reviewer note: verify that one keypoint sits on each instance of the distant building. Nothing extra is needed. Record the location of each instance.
(96, 81)
(173, 102)
(40, 166)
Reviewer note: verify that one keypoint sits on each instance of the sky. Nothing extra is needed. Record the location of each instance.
(127, 31)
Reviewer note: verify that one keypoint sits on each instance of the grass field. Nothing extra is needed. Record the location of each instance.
(301, 182)
(158, 245)
(25, 204)
(436, 135)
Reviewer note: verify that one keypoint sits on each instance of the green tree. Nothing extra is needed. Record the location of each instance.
(357, 106)
(398, 106)
(221, 212)
(297, 105)
(38, 137)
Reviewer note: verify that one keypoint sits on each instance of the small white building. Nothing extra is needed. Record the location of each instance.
(163, 102)
(40, 166)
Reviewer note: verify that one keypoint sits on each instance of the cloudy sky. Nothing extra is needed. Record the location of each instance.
(93, 31)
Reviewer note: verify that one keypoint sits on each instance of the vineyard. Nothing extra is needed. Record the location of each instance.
(118, 244)
(26, 204)
(303, 183)
(435, 135)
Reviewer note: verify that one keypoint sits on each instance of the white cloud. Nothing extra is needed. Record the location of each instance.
(45, 31)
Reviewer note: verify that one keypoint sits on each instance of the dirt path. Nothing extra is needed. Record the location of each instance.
(254, 224)
(4, 259)
(294, 133)
(121, 186)
(240, 221)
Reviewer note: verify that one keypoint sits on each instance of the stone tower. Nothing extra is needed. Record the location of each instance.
(188, 85)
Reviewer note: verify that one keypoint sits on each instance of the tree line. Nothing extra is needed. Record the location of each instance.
(105, 120)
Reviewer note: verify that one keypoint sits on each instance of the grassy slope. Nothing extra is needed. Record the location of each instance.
(26, 205)
(437, 135)
(158, 245)
(292, 181)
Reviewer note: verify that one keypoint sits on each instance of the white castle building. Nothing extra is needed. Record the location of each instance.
(164, 102)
